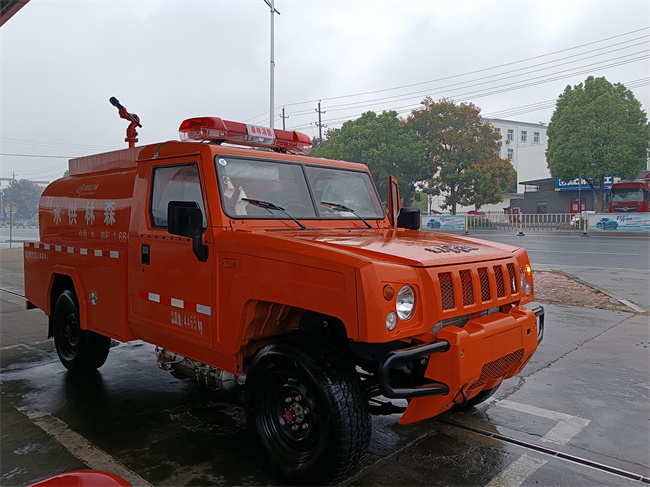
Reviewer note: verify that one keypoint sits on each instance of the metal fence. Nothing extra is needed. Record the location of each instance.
(547, 222)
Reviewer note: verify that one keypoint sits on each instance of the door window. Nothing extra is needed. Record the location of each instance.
(174, 183)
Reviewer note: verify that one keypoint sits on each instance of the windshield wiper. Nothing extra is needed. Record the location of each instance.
(271, 206)
(339, 207)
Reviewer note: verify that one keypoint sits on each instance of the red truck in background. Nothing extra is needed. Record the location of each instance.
(631, 196)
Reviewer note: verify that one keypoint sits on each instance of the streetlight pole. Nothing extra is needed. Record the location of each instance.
(271, 4)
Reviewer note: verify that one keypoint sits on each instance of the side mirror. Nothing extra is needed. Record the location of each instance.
(185, 218)
(409, 218)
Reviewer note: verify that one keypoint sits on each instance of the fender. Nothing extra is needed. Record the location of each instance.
(72, 273)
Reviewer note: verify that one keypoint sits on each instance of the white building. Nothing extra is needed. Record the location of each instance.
(524, 145)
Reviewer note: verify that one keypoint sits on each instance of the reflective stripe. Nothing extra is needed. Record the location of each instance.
(206, 310)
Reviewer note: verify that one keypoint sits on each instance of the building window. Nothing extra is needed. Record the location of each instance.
(536, 137)
(511, 154)
(498, 130)
(511, 134)
(541, 207)
(524, 135)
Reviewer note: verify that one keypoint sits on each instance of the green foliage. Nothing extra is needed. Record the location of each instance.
(462, 152)
(420, 200)
(26, 195)
(385, 145)
(597, 129)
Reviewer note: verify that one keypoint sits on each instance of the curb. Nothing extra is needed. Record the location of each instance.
(625, 302)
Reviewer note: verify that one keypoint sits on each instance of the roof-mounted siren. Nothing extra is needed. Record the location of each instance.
(131, 134)
(218, 131)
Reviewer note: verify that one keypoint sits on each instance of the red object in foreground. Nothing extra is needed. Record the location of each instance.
(83, 478)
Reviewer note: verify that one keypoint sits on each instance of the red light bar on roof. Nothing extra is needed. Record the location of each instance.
(216, 130)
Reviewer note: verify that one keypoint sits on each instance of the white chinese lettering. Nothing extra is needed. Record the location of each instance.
(90, 213)
(109, 213)
(72, 213)
(57, 215)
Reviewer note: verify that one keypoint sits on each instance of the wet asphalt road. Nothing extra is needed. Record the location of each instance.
(584, 395)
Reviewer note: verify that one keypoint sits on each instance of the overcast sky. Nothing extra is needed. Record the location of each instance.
(60, 62)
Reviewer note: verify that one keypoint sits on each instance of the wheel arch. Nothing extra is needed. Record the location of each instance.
(63, 279)
(264, 322)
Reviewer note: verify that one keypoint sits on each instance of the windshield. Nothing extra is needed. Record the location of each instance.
(297, 188)
(627, 195)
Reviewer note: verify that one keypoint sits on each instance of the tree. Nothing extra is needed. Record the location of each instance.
(25, 194)
(462, 152)
(597, 129)
(385, 145)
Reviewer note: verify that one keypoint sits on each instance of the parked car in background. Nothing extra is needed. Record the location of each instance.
(607, 224)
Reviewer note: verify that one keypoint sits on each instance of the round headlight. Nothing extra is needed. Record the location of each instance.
(391, 321)
(405, 303)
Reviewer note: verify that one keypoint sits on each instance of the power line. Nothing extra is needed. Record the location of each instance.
(37, 155)
(480, 82)
(480, 70)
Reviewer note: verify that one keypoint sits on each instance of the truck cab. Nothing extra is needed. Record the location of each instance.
(263, 268)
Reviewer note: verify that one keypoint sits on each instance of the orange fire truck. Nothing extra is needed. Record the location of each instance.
(280, 273)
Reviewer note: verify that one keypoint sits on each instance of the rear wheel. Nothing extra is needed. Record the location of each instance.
(306, 405)
(79, 350)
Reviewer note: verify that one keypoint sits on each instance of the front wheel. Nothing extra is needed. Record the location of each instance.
(305, 403)
(79, 350)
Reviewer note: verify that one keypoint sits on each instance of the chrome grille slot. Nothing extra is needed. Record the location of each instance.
(485, 284)
(447, 290)
(498, 276)
(468, 290)
(513, 278)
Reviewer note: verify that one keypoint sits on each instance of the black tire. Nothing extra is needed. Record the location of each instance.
(306, 405)
(79, 350)
(482, 396)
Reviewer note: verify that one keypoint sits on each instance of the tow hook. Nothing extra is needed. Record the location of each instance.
(462, 402)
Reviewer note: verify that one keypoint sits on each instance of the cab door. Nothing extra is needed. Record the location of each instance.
(171, 289)
(394, 203)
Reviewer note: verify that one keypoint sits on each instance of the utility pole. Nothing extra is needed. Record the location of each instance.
(283, 118)
(271, 4)
(320, 125)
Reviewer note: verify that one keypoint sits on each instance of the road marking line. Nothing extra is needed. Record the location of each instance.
(568, 426)
(517, 472)
(83, 449)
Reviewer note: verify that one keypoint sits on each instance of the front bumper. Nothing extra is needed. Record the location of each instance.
(464, 361)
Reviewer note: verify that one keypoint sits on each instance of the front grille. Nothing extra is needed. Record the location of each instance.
(469, 288)
(498, 368)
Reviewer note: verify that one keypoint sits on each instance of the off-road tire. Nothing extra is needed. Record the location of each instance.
(79, 350)
(297, 383)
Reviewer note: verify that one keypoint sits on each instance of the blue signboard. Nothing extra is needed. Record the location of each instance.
(628, 222)
(574, 184)
(444, 222)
